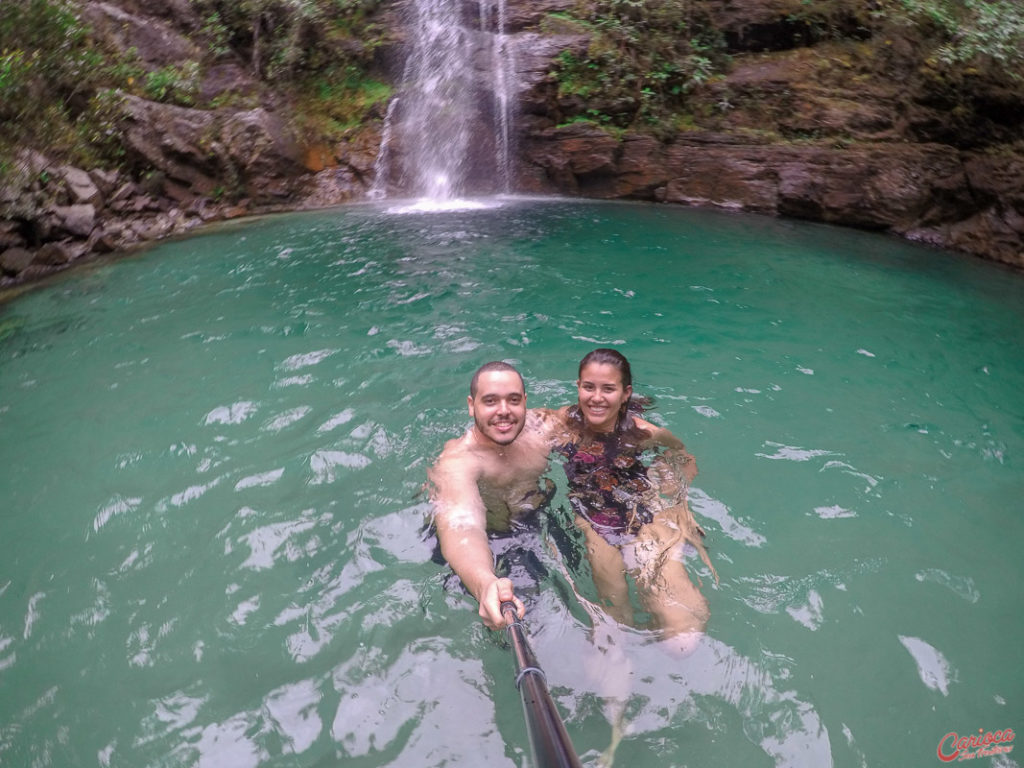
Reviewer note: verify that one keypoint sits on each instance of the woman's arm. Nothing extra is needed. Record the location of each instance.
(672, 471)
(675, 466)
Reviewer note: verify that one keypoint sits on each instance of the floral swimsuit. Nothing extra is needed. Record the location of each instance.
(607, 484)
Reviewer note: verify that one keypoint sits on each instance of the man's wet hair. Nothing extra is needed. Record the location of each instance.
(494, 365)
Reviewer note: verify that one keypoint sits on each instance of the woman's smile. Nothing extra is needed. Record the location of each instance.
(602, 395)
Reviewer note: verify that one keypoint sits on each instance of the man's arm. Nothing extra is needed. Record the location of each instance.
(461, 521)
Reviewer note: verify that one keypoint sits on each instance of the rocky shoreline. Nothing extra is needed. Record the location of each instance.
(781, 134)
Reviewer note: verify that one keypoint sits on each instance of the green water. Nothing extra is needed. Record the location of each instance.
(209, 457)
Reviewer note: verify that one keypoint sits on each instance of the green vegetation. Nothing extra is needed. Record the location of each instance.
(283, 40)
(972, 33)
(643, 67)
(179, 84)
(318, 52)
(647, 59)
(60, 85)
(48, 67)
(642, 61)
(336, 101)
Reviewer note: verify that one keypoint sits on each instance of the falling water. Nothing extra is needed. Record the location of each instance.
(449, 129)
(503, 66)
(381, 164)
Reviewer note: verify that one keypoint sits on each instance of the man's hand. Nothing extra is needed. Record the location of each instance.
(497, 592)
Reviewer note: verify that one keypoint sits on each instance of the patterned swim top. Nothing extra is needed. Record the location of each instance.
(607, 484)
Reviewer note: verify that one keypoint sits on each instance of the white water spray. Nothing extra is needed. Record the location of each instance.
(380, 165)
(448, 131)
(504, 69)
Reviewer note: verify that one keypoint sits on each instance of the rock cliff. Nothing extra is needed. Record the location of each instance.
(819, 115)
(855, 129)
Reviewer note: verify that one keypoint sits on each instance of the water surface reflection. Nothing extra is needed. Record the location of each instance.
(210, 458)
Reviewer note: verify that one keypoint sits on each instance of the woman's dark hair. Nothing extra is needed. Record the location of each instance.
(625, 427)
(604, 356)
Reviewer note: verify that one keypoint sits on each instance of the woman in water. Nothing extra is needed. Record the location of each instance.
(633, 516)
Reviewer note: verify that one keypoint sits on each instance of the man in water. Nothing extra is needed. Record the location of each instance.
(487, 480)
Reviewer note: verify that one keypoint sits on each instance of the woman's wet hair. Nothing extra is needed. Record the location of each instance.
(626, 429)
(605, 356)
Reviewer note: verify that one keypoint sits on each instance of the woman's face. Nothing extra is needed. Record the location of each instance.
(601, 395)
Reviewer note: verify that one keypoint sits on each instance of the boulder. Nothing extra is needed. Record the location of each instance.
(11, 234)
(203, 150)
(77, 220)
(156, 42)
(80, 185)
(106, 181)
(259, 145)
(13, 261)
(229, 78)
(173, 140)
(55, 254)
(996, 232)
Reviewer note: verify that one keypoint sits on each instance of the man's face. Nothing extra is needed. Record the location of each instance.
(499, 408)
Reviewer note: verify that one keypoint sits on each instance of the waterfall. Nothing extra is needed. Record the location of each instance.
(448, 130)
(503, 67)
(380, 166)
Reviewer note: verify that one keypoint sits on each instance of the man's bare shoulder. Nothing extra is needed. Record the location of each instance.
(458, 455)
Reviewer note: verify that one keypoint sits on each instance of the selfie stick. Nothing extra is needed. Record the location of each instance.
(548, 739)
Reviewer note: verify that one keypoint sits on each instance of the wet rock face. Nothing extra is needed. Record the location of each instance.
(809, 132)
(158, 42)
(780, 25)
(202, 150)
(930, 193)
(184, 166)
(803, 125)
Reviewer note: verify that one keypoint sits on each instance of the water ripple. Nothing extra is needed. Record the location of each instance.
(933, 668)
(265, 541)
(325, 465)
(260, 480)
(235, 413)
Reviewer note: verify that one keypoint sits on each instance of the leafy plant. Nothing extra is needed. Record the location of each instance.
(969, 32)
(643, 59)
(42, 46)
(285, 39)
(48, 67)
(178, 84)
(339, 100)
